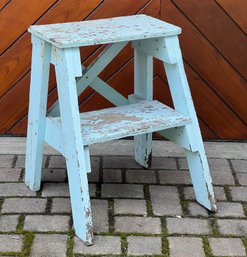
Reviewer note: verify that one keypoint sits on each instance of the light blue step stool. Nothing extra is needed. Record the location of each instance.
(70, 132)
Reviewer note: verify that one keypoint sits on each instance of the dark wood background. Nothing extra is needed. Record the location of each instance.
(213, 43)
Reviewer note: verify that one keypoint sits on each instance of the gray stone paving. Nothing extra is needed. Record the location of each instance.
(136, 212)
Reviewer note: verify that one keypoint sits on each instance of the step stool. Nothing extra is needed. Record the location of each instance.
(70, 132)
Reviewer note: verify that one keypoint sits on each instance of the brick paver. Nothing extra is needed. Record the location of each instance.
(146, 225)
(164, 163)
(20, 163)
(9, 175)
(232, 227)
(239, 193)
(239, 165)
(229, 210)
(11, 243)
(6, 160)
(61, 190)
(227, 247)
(175, 177)
(45, 223)
(130, 206)
(140, 176)
(102, 245)
(219, 193)
(136, 211)
(112, 175)
(165, 200)
(24, 205)
(139, 245)
(15, 189)
(61, 205)
(122, 191)
(196, 209)
(188, 226)
(8, 223)
(56, 175)
(186, 247)
(49, 245)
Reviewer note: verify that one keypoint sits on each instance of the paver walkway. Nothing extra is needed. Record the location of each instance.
(136, 212)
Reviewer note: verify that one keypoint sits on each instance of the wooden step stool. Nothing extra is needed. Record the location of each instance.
(70, 132)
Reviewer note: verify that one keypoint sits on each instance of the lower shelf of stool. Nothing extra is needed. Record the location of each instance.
(118, 122)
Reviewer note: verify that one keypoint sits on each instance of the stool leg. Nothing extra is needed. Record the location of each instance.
(195, 154)
(75, 153)
(37, 112)
(143, 88)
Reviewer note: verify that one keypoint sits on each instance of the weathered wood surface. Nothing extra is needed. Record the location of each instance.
(104, 31)
(216, 75)
(123, 121)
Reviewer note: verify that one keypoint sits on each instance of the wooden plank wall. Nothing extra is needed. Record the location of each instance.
(213, 44)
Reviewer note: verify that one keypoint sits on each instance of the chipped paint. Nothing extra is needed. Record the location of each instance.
(104, 31)
(211, 200)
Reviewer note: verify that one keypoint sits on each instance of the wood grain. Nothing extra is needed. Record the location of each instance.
(236, 10)
(162, 93)
(20, 9)
(219, 29)
(3, 3)
(15, 62)
(206, 60)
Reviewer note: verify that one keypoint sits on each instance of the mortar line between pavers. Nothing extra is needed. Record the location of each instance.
(244, 240)
(27, 244)
(48, 206)
(101, 160)
(127, 215)
(164, 238)
(14, 161)
(227, 192)
(148, 201)
(157, 177)
(233, 172)
(177, 163)
(124, 171)
(183, 202)
(1, 204)
(47, 162)
(111, 216)
(206, 247)
(70, 239)
(124, 245)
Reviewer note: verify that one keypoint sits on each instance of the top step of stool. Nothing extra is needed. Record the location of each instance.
(104, 31)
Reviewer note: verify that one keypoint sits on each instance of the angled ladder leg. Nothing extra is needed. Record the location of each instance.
(37, 112)
(143, 89)
(191, 134)
(67, 69)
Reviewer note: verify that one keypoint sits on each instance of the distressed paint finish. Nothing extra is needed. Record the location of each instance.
(76, 156)
(37, 112)
(183, 103)
(137, 116)
(118, 122)
(104, 31)
(189, 137)
(143, 87)
(90, 76)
